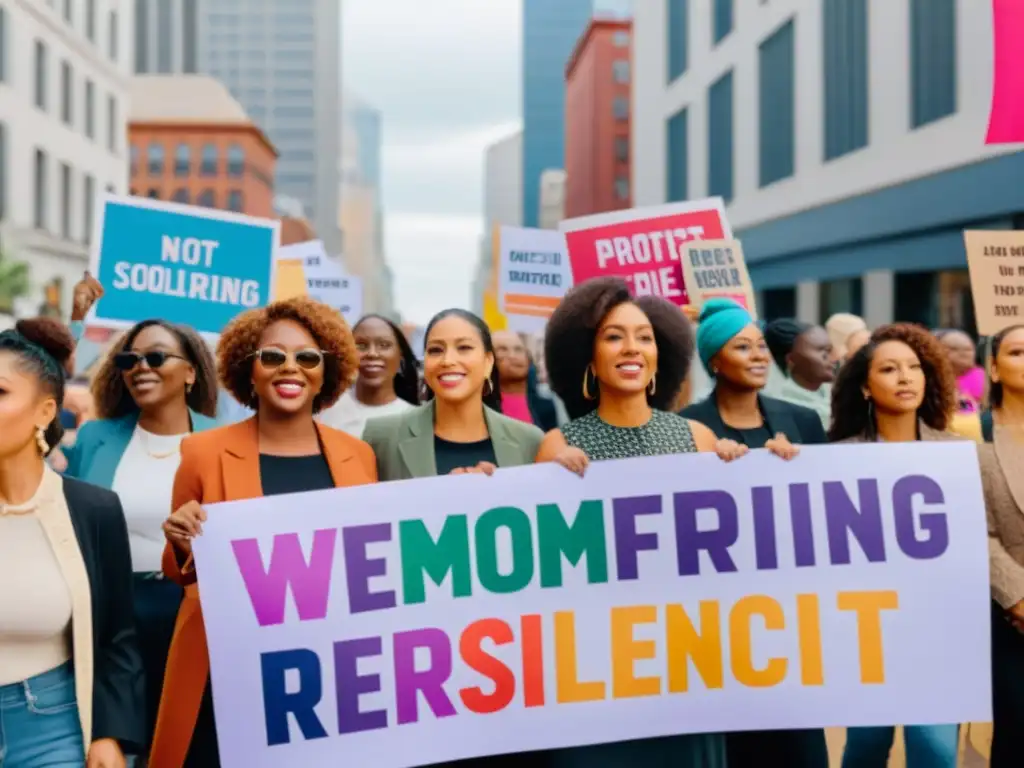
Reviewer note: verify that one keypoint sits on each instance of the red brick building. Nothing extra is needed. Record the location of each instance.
(597, 119)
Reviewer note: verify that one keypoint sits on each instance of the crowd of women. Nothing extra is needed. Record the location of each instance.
(102, 644)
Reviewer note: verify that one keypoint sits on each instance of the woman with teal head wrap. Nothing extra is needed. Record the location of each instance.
(720, 320)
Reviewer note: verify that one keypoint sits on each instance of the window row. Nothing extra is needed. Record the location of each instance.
(208, 163)
(845, 97)
(234, 200)
(73, 190)
(90, 21)
(77, 106)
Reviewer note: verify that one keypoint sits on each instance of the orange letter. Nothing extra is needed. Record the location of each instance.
(685, 643)
(569, 687)
(741, 642)
(488, 666)
(533, 661)
(627, 650)
(869, 607)
(808, 622)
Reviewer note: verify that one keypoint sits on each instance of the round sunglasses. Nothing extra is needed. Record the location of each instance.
(127, 361)
(308, 359)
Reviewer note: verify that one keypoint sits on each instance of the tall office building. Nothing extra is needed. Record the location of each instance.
(167, 37)
(282, 60)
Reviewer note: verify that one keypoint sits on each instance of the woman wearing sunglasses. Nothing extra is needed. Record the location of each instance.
(286, 362)
(157, 385)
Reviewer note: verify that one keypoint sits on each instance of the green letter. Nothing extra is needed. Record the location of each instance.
(518, 525)
(421, 554)
(585, 536)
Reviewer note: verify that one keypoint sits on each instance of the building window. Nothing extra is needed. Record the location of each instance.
(932, 60)
(622, 188)
(840, 296)
(235, 200)
(620, 106)
(133, 159)
(153, 193)
(722, 20)
(41, 66)
(677, 186)
(181, 196)
(141, 36)
(190, 23)
(88, 199)
(65, 201)
(720, 137)
(208, 163)
(845, 42)
(90, 20)
(206, 199)
(236, 161)
(3, 171)
(678, 37)
(40, 190)
(622, 149)
(620, 71)
(68, 16)
(112, 35)
(777, 95)
(112, 124)
(620, 39)
(182, 160)
(3, 44)
(155, 159)
(90, 109)
(66, 95)
(164, 23)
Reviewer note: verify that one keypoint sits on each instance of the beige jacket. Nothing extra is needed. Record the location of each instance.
(1002, 475)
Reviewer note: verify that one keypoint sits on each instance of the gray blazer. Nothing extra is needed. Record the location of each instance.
(404, 443)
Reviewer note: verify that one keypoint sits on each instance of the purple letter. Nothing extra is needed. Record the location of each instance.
(803, 530)
(933, 524)
(627, 541)
(311, 584)
(359, 568)
(842, 516)
(349, 684)
(764, 528)
(409, 681)
(690, 541)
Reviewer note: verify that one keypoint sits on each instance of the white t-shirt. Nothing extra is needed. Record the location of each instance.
(144, 481)
(350, 415)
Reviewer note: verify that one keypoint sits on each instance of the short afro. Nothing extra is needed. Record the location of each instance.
(570, 334)
(240, 339)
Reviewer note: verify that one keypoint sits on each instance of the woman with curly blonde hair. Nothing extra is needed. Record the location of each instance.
(286, 362)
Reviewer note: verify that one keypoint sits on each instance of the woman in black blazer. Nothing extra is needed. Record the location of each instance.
(70, 672)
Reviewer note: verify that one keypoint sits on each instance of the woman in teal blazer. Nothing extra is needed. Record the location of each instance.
(157, 385)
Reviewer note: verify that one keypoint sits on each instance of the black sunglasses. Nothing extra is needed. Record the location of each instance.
(308, 359)
(127, 361)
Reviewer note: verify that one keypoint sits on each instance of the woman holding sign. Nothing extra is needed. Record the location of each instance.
(899, 387)
(286, 362)
(618, 365)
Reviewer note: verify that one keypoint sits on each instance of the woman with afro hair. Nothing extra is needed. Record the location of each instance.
(286, 362)
(897, 388)
(618, 364)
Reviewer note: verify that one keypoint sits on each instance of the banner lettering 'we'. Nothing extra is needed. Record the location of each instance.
(419, 622)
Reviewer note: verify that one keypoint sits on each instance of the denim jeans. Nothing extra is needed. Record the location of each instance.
(39, 723)
(927, 746)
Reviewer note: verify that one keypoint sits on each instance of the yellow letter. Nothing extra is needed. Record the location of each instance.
(570, 689)
(685, 643)
(627, 650)
(808, 621)
(741, 642)
(869, 607)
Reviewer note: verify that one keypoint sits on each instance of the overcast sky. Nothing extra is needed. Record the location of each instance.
(445, 75)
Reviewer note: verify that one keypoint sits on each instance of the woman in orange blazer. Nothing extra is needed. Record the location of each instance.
(286, 362)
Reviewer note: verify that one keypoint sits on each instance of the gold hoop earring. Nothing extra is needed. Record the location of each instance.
(586, 382)
(44, 447)
(188, 388)
(652, 387)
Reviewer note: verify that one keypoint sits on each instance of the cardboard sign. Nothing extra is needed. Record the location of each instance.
(717, 269)
(995, 259)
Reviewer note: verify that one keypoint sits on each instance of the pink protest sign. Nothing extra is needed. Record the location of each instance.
(1006, 120)
(644, 245)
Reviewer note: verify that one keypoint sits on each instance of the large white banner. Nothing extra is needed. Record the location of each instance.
(411, 623)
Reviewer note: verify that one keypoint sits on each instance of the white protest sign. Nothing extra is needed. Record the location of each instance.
(326, 280)
(533, 275)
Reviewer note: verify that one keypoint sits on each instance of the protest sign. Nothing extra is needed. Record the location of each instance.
(492, 312)
(326, 281)
(412, 623)
(717, 269)
(290, 280)
(995, 260)
(184, 264)
(533, 275)
(643, 245)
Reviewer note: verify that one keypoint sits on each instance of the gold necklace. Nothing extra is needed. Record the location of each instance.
(153, 455)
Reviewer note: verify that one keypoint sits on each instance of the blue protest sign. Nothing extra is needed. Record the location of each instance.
(188, 265)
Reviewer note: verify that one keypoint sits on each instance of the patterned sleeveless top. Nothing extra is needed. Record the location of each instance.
(665, 433)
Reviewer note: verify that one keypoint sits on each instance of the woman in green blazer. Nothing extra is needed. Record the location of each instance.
(460, 429)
